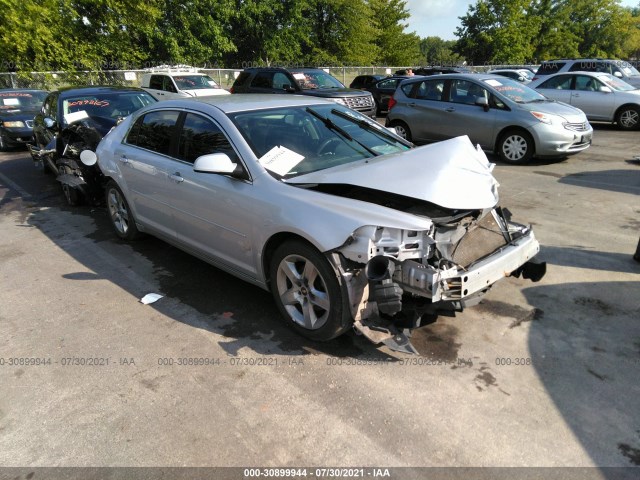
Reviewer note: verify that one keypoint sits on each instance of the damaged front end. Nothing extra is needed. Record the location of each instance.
(399, 279)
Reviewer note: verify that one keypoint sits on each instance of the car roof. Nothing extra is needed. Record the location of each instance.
(21, 90)
(240, 102)
(455, 76)
(95, 90)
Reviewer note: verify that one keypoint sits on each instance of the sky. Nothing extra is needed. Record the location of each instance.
(439, 18)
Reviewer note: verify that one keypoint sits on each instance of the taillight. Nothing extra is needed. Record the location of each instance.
(231, 89)
(392, 103)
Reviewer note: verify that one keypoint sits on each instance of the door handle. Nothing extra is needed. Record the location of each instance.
(450, 109)
(176, 177)
(124, 160)
(412, 104)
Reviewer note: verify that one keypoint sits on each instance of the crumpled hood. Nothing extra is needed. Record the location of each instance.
(452, 174)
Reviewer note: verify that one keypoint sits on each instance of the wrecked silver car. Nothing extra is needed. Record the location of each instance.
(347, 224)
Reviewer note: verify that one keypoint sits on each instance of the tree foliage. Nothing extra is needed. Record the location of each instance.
(519, 31)
(78, 34)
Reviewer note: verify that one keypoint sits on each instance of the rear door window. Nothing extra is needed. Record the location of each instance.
(561, 82)
(263, 80)
(154, 131)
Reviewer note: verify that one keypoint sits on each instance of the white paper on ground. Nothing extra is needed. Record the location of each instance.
(150, 298)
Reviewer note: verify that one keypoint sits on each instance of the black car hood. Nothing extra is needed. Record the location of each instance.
(18, 113)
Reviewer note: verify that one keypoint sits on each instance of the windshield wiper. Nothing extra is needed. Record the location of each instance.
(332, 126)
(367, 126)
(329, 124)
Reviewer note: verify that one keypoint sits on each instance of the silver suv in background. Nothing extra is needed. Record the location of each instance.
(618, 68)
(500, 114)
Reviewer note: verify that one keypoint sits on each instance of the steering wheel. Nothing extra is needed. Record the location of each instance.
(325, 146)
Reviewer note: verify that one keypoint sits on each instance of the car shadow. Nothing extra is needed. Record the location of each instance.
(620, 180)
(590, 367)
(583, 257)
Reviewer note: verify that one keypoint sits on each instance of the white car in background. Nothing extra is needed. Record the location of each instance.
(601, 96)
(173, 85)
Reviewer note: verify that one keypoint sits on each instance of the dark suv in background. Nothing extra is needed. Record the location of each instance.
(303, 81)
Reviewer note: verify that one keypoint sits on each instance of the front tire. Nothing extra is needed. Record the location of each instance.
(120, 214)
(307, 292)
(515, 147)
(71, 195)
(628, 118)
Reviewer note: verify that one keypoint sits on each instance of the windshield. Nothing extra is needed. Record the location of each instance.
(195, 82)
(107, 105)
(24, 100)
(514, 91)
(293, 141)
(615, 83)
(628, 69)
(312, 79)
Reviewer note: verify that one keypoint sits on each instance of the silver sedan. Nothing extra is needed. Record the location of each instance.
(601, 96)
(347, 224)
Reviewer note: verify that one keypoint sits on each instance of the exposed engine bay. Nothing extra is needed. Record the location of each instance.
(400, 279)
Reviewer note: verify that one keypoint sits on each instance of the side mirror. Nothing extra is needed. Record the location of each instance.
(605, 89)
(483, 102)
(617, 74)
(521, 79)
(214, 163)
(88, 158)
(288, 89)
(49, 122)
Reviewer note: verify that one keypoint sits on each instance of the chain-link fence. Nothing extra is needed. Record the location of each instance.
(132, 78)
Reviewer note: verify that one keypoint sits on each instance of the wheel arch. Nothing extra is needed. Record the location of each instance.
(272, 244)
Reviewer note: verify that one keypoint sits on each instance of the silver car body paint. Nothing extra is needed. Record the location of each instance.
(229, 221)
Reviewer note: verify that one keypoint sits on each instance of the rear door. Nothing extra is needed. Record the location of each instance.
(426, 104)
(145, 164)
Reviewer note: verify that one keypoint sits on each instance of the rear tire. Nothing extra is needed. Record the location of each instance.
(402, 129)
(515, 147)
(307, 292)
(120, 214)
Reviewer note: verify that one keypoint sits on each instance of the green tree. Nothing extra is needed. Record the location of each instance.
(35, 35)
(268, 31)
(194, 32)
(498, 31)
(436, 51)
(340, 32)
(395, 46)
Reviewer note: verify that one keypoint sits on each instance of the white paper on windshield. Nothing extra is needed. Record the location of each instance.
(493, 83)
(75, 116)
(280, 160)
(14, 102)
(299, 76)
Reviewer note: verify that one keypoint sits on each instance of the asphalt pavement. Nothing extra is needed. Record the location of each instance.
(538, 375)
